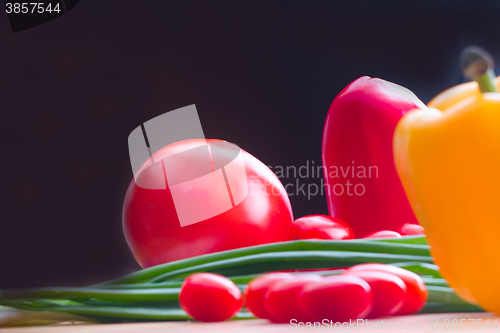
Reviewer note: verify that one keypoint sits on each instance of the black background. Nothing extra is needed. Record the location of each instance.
(261, 73)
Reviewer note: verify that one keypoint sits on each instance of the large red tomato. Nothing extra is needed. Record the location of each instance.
(151, 222)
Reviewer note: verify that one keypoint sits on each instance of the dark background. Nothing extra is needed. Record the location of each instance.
(261, 73)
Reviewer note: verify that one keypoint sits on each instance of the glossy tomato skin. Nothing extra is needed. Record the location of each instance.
(338, 298)
(281, 299)
(153, 232)
(256, 291)
(383, 234)
(320, 227)
(416, 294)
(210, 297)
(408, 229)
(388, 291)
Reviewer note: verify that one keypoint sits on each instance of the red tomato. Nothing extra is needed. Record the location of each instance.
(388, 292)
(337, 298)
(411, 229)
(416, 294)
(210, 297)
(383, 234)
(257, 289)
(152, 228)
(281, 299)
(319, 227)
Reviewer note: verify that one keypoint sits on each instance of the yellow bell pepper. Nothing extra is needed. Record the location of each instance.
(448, 159)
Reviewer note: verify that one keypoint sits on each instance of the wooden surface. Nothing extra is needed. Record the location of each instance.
(415, 323)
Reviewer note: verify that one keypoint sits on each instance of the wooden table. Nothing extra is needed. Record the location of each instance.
(417, 323)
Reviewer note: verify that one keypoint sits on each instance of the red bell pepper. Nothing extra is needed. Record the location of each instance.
(361, 183)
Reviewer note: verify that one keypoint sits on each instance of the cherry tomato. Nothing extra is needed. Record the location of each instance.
(257, 289)
(388, 292)
(152, 228)
(337, 298)
(383, 234)
(281, 299)
(319, 227)
(416, 294)
(411, 229)
(210, 297)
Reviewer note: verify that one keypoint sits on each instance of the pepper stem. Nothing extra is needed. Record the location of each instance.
(477, 65)
(486, 81)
